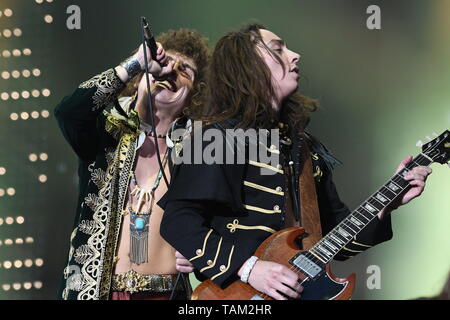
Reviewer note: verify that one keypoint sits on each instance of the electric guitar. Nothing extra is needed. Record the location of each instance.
(313, 265)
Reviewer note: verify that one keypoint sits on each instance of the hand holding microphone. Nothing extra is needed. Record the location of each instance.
(154, 54)
(157, 56)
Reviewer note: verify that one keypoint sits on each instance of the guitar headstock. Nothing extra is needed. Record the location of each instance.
(438, 149)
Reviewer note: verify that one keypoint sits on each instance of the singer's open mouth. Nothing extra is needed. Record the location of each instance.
(168, 84)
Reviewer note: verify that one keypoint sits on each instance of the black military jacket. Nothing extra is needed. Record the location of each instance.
(217, 215)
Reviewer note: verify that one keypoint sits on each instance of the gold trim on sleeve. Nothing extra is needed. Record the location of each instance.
(215, 257)
(265, 166)
(361, 245)
(345, 256)
(267, 211)
(350, 250)
(235, 225)
(228, 266)
(204, 246)
(262, 188)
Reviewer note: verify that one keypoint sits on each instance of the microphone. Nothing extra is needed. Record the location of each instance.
(150, 40)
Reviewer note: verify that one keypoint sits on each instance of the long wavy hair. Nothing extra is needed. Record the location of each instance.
(239, 85)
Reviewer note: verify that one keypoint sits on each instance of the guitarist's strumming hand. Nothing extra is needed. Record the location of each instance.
(269, 277)
(417, 178)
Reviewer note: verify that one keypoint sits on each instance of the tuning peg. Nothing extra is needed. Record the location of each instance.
(419, 144)
(428, 138)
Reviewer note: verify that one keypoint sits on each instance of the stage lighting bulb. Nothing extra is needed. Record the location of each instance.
(37, 284)
(11, 191)
(20, 220)
(18, 264)
(28, 263)
(36, 72)
(25, 94)
(16, 53)
(42, 178)
(26, 73)
(46, 92)
(8, 12)
(7, 264)
(17, 32)
(7, 33)
(5, 96)
(27, 285)
(35, 93)
(15, 95)
(2, 171)
(9, 220)
(5, 75)
(45, 113)
(32, 157)
(39, 262)
(48, 18)
(24, 115)
(17, 286)
(43, 156)
(6, 53)
(26, 52)
(35, 114)
(29, 240)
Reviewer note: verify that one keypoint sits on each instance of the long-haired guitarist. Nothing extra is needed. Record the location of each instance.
(217, 214)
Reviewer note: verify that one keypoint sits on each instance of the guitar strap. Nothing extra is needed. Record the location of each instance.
(310, 215)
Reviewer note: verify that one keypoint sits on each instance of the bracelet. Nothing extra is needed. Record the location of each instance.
(248, 268)
(132, 66)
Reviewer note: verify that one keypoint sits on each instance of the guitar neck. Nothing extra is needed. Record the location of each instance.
(354, 223)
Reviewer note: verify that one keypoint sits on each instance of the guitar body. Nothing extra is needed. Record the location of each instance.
(280, 248)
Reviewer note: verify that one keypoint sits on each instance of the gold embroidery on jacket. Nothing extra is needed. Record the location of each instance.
(98, 176)
(263, 188)
(108, 84)
(351, 250)
(265, 166)
(361, 245)
(204, 246)
(87, 226)
(228, 266)
(215, 257)
(267, 211)
(235, 225)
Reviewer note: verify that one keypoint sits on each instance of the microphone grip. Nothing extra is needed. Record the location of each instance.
(150, 41)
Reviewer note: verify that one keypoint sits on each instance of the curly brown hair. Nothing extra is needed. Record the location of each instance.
(193, 45)
(240, 85)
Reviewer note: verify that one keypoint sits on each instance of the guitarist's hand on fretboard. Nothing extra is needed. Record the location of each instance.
(417, 178)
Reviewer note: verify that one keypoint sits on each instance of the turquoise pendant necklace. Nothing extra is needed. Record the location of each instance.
(139, 220)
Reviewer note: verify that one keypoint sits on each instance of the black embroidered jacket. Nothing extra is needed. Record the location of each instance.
(217, 215)
(105, 139)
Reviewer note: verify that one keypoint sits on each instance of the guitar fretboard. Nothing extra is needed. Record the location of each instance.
(354, 223)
